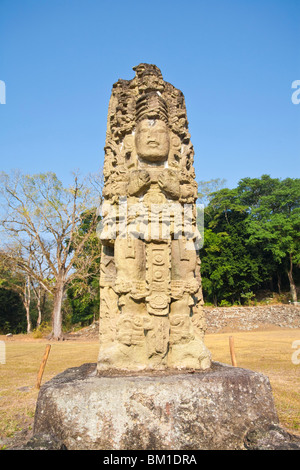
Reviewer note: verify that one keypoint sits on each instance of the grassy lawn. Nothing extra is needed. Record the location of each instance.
(269, 352)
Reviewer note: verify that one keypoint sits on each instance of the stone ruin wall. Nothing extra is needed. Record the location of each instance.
(250, 318)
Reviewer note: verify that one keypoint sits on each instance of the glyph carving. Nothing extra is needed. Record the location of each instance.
(151, 314)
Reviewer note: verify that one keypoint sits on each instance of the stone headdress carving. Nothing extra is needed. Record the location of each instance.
(147, 95)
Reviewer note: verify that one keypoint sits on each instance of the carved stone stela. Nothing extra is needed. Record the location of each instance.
(151, 314)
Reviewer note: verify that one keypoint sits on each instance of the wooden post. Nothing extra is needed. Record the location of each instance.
(232, 351)
(42, 366)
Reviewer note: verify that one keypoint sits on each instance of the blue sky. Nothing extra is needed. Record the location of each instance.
(234, 60)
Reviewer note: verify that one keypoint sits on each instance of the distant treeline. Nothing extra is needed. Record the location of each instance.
(251, 244)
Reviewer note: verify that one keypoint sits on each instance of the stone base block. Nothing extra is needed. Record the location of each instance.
(214, 409)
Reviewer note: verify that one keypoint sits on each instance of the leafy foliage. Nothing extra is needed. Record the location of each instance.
(12, 315)
(84, 295)
(252, 235)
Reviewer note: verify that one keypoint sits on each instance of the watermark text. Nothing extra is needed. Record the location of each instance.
(2, 352)
(296, 95)
(2, 92)
(296, 354)
(164, 221)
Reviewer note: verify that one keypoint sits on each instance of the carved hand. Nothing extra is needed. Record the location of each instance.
(139, 179)
(169, 182)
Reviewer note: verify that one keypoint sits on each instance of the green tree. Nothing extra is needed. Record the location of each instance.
(12, 312)
(230, 270)
(236, 257)
(12, 278)
(252, 234)
(274, 220)
(84, 294)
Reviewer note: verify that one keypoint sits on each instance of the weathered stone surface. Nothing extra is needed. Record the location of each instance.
(42, 442)
(274, 438)
(222, 408)
(151, 305)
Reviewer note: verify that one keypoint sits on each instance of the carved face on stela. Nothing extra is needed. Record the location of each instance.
(152, 140)
(152, 136)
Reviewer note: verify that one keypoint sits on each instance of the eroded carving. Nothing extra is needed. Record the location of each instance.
(150, 268)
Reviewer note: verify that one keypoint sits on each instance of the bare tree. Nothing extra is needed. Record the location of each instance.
(207, 188)
(43, 218)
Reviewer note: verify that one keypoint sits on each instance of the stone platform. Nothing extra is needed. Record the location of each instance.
(222, 408)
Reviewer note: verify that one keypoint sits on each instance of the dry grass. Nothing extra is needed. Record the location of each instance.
(268, 352)
(18, 376)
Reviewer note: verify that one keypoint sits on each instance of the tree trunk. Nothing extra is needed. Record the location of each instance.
(43, 300)
(57, 314)
(28, 319)
(39, 320)
(279, 283)
(291, 280)
(26, 303)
